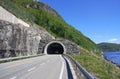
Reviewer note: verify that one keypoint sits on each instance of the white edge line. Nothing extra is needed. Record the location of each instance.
(62, 68)
(14, 77)
(31, 69)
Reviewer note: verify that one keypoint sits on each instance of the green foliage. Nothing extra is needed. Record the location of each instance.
(97, 66)
(17, 10)
(109, 47)
(53, 24)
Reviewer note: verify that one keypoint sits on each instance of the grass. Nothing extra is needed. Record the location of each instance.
(97, 65)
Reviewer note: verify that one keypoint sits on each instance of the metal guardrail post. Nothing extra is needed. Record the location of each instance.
(80, 71)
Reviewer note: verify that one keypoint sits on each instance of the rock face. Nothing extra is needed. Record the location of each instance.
(69, 46)
(17, 40)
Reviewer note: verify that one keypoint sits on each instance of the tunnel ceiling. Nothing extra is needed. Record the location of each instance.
(54, 48)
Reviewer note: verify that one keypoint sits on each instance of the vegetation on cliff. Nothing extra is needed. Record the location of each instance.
(43, 15)
(109, 47)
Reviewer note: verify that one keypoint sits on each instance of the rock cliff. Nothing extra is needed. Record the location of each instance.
(69, 46)
(17, 40)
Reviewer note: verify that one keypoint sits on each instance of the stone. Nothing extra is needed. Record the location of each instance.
(70, 46)
(18, 40)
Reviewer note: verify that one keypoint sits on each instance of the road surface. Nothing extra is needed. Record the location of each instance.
(42, 67)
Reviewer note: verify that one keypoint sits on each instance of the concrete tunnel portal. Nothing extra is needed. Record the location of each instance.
(55, 47)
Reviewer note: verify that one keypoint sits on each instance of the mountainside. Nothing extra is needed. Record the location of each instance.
(46, 17)
(109, 47)
(40, 16)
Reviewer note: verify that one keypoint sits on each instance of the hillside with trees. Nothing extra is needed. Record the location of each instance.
(46, 17)
(109, 47)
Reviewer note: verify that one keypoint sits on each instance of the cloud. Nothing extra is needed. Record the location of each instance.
(114, 40)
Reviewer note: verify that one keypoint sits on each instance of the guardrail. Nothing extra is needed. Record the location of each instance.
(81, 72)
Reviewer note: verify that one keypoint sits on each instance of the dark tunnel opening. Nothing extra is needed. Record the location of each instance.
(55, 48)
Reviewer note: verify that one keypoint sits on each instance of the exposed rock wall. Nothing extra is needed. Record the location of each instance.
(17, 40)
(70, 46)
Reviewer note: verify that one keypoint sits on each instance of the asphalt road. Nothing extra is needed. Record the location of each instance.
(42, 67)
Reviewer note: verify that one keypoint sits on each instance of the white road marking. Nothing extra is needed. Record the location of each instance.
(14, 77)
(62, 68)
(31, 69)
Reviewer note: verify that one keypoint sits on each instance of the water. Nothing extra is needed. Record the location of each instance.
(113, 57)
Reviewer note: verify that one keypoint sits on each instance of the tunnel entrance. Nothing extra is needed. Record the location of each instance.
(55, 47)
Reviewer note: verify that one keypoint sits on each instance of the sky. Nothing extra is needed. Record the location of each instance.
(97, 19)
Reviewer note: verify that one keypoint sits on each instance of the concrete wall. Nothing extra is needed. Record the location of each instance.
(7, 16)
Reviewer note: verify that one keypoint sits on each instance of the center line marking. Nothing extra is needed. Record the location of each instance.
(14, 77)
(31, 69)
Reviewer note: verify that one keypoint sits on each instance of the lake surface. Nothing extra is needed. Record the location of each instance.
(113, 56)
